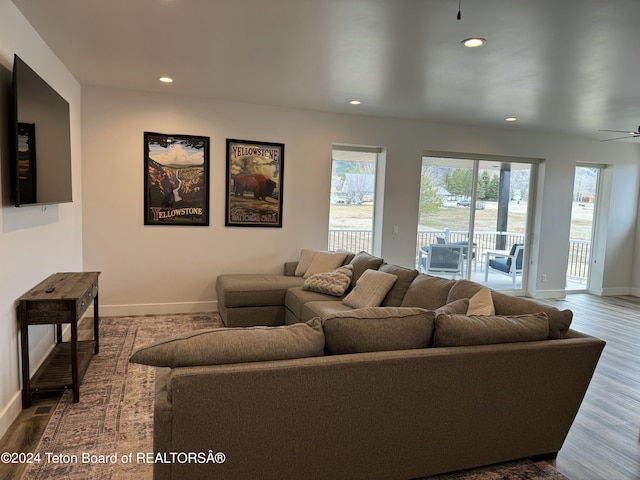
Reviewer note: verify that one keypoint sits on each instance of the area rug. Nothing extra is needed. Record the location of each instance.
(106, 434)
(115, 413)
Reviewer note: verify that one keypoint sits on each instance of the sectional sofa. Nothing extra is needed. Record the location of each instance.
(279, 299)
(439, 376)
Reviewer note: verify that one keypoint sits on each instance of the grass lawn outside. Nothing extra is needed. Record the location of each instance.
(360, 217)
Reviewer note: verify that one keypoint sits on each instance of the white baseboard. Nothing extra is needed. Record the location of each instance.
(559, 293)
(609, 292)
(155, 309)
(37, 355)
(10, 413)
(635, 292)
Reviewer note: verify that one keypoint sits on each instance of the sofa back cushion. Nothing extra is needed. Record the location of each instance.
(400, 287)
(559, 320)
(219, 346)
(361, 262)
(457, 306)
(377, 329)
(428, 292)
(461, 330)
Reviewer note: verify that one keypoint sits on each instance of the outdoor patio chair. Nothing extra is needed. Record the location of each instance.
(465, 244)
(509, 264)
(445, 259)
(423, 254)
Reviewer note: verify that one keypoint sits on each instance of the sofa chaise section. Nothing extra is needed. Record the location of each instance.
(253, 299)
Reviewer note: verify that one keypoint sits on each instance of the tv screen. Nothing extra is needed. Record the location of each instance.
(41, 160)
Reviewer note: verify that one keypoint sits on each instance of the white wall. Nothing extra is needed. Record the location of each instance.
(34, 242)
(154, 269)
(158, 269)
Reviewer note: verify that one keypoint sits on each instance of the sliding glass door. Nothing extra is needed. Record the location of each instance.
(482, 204)
(583, 218)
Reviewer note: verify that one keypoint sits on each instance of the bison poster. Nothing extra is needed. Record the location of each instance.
(176, 179)
(254, 183)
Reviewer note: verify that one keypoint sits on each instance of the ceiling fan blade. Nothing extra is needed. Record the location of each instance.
(620, 131)
(620, 138)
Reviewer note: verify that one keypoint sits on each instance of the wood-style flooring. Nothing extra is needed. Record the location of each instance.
(604, 441)
(26, 431)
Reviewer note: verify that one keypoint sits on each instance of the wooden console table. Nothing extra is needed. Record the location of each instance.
(61, 298)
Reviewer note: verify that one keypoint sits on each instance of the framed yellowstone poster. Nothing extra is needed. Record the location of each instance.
(176, 179)
(254, 184)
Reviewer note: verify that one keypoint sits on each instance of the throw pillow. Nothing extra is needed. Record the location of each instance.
(462, 330)
(370, 289)
(399, 289)
(458, 306)
(377, 329)
(481, 303)
(304, 261)
(234, 345)
(334, 282)
(364, 261)
(324, 262)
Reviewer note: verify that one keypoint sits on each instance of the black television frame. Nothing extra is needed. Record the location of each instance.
(40, 116)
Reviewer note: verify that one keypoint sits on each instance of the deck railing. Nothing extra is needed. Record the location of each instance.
(359, 240)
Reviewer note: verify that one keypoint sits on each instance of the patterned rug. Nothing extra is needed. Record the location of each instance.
(102, 436)
(115, 411)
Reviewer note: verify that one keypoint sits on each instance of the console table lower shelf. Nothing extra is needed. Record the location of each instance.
(55, 373)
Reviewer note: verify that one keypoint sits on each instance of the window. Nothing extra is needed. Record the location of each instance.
(353, 198)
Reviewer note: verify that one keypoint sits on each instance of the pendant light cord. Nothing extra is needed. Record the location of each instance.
(459, 9)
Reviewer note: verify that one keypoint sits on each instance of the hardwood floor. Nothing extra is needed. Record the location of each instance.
(604, 441)
(26, 431)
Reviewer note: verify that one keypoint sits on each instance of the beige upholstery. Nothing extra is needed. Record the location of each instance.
(374, 416)
(382, 415)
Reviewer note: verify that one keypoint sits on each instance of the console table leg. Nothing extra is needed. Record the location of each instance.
(96, 324)
(74, 362)
(24, 346)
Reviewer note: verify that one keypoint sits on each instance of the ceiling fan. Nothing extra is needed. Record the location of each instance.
(627, 133)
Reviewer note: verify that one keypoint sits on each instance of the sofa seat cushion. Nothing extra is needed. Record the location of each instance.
(321, 309)
(559, 320)
(296, 298)
(427, 291)
(374, 329)
(467, 330)
(248, 290)
(218, 346)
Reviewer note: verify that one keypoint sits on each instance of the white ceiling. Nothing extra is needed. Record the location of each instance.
(557, 65)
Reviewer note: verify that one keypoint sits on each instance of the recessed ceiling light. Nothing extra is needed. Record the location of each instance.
(474, 42)
(510, 119)
(166, 79)
(355, 102)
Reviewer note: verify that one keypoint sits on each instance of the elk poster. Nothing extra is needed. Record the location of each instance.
(176, 179)
(254, 183)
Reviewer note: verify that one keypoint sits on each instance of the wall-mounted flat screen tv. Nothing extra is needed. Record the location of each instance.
(41, 157)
